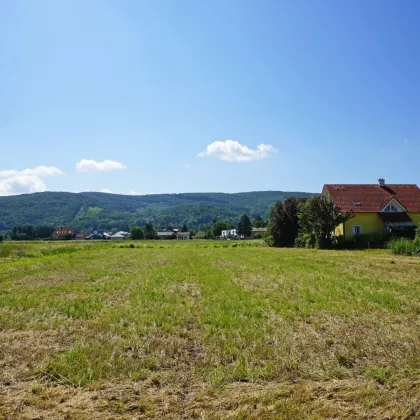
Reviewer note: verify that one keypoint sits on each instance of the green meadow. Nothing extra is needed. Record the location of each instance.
(207, 329)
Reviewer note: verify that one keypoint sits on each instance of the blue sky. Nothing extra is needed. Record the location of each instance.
(142, 96)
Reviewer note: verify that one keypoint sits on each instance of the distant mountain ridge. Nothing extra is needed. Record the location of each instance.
(107, 211)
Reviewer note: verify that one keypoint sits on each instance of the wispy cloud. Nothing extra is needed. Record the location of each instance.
(105, 190)
(28, 180)
(39, 171)
(88, 165)
(187, 165)
(233, 151)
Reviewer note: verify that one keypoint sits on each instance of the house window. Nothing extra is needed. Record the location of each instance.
(356, 203)
(357, 230)
(391, 209)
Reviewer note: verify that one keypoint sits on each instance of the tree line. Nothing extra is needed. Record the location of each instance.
(30, 232)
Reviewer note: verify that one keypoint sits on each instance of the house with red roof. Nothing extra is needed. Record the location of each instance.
(64, 233)
(377, 208)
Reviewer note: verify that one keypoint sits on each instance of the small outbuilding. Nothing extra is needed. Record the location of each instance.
(117, 237)
(259, 232)
(183, 235)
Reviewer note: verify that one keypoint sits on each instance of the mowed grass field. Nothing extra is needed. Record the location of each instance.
(204, 329)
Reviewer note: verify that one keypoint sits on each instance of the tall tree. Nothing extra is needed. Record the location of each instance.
(217, 228)
(244, 226)
(184, 228)
(283, 226)
(319, 217)
(149, 232)
(137, 233)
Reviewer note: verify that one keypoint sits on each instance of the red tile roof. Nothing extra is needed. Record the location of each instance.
(63, 232)
(372, 197)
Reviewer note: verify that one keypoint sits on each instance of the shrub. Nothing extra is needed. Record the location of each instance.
(132, 246)
(137, 233)
(416, 242)
(306, 240)
(269, 239)
(374, 240)
(258, 236)
(402, 246)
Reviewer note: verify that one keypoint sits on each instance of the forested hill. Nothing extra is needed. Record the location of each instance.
(108, 211)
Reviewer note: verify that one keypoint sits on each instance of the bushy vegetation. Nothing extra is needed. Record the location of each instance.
(137, 233)
(319, 217)
(405, 246)
(374, 240)
(307, 224)
(206, 329)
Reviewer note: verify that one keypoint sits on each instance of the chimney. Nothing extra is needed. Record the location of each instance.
(381, 182)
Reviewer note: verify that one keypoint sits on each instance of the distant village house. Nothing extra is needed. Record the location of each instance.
(64, 233)
(200, 235)
(229, 233)
(171, 233)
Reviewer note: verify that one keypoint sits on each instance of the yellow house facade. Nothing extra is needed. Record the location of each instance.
(377, 208)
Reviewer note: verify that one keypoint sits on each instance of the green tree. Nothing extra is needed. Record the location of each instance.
(259, 222)
(68, 236)
(319, 217)
(283, 227)
(217, 228)
(149, 231)
(137, 233)
(244, 226)
(184, 228)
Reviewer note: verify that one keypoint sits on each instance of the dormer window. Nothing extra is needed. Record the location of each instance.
(391, 209)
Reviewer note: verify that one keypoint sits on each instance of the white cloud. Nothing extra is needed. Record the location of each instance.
(39, 171)
(187, 165)
(233, 151)
(105, 190)
(21, 184)
(29, 180)
(88, 165)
